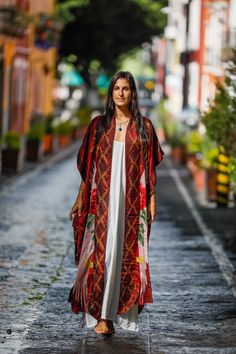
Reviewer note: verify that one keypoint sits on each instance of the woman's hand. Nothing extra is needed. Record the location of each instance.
(77, 207)
(152, 208)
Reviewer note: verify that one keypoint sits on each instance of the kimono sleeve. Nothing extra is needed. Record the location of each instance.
(84, 156)
(155, 155)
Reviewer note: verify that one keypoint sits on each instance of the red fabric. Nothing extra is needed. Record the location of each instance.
(139, 156)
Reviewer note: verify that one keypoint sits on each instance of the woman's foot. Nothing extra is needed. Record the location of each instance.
(104, 327)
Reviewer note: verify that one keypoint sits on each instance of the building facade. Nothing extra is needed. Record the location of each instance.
(198, 36)
(27, 62)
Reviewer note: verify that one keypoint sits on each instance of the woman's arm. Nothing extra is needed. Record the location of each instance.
(79, 201)
(153, 207)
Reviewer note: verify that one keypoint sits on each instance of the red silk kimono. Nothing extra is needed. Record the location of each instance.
(90, 229)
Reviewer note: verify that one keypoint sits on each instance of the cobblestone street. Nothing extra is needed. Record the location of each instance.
(194, 310)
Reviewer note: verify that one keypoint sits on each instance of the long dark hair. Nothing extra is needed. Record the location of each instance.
(133, 105)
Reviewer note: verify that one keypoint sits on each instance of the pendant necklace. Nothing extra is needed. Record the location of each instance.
(120, 128)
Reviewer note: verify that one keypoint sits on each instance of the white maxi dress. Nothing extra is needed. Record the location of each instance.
(114, 247)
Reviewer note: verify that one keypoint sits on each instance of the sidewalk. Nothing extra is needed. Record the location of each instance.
(221, 221)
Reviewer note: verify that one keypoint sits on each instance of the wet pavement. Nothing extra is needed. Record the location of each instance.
(194, 310)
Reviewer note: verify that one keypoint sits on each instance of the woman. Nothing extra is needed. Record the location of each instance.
(113, 212)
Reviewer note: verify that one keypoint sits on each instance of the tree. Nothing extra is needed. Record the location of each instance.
(102, 30)
(220, 119)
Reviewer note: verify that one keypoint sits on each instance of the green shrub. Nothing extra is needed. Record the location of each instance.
(37, 127)
(49, 129)
(64, 128)
(210, 158)
(194, 142)
(220, 118)
(177, 139)
(232, 171)
(84, 116)
(12, 140)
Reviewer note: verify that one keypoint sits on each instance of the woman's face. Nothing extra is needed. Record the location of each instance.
(121, 93)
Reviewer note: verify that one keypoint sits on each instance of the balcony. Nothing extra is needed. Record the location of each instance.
(13, 22)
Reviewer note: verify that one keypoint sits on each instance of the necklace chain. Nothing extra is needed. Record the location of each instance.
(120, 128)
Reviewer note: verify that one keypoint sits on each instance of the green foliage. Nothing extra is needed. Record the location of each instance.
(156, 17)
(84, 115)
(166, 120)
(37, 128)
(194, 142)
(220, 119)
(102, 30)
(209, 153)
(177, 139)
(64, 128)
(204, 147)
(49, 129)
(232, 172)
(12, 140)
(64, 9)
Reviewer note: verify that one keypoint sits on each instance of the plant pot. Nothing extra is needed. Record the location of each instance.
(34, 150)
(211, 184)
(47, 144)
(192, 163)
(179, 154)
(64, 140)
(199, 178)
(74, 133)
(11, 162)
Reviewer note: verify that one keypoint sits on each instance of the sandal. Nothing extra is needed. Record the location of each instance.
(104, 327)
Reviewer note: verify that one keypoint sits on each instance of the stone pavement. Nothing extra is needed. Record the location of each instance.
(194, 310)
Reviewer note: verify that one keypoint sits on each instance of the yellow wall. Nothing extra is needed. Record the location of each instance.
(46, 6)
(42, 72)
(41, 76)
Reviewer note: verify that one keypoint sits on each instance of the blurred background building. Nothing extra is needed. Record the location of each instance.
(27, 62)
(56, 58)
(193, 54)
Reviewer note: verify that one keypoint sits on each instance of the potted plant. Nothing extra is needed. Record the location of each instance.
(220, 122)
(48, 135)
(64, 131)
(11, 157)
(178, 147)
(34, 149)
(167, 122)
(209, 162)
(194, 151)
(83, 118)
